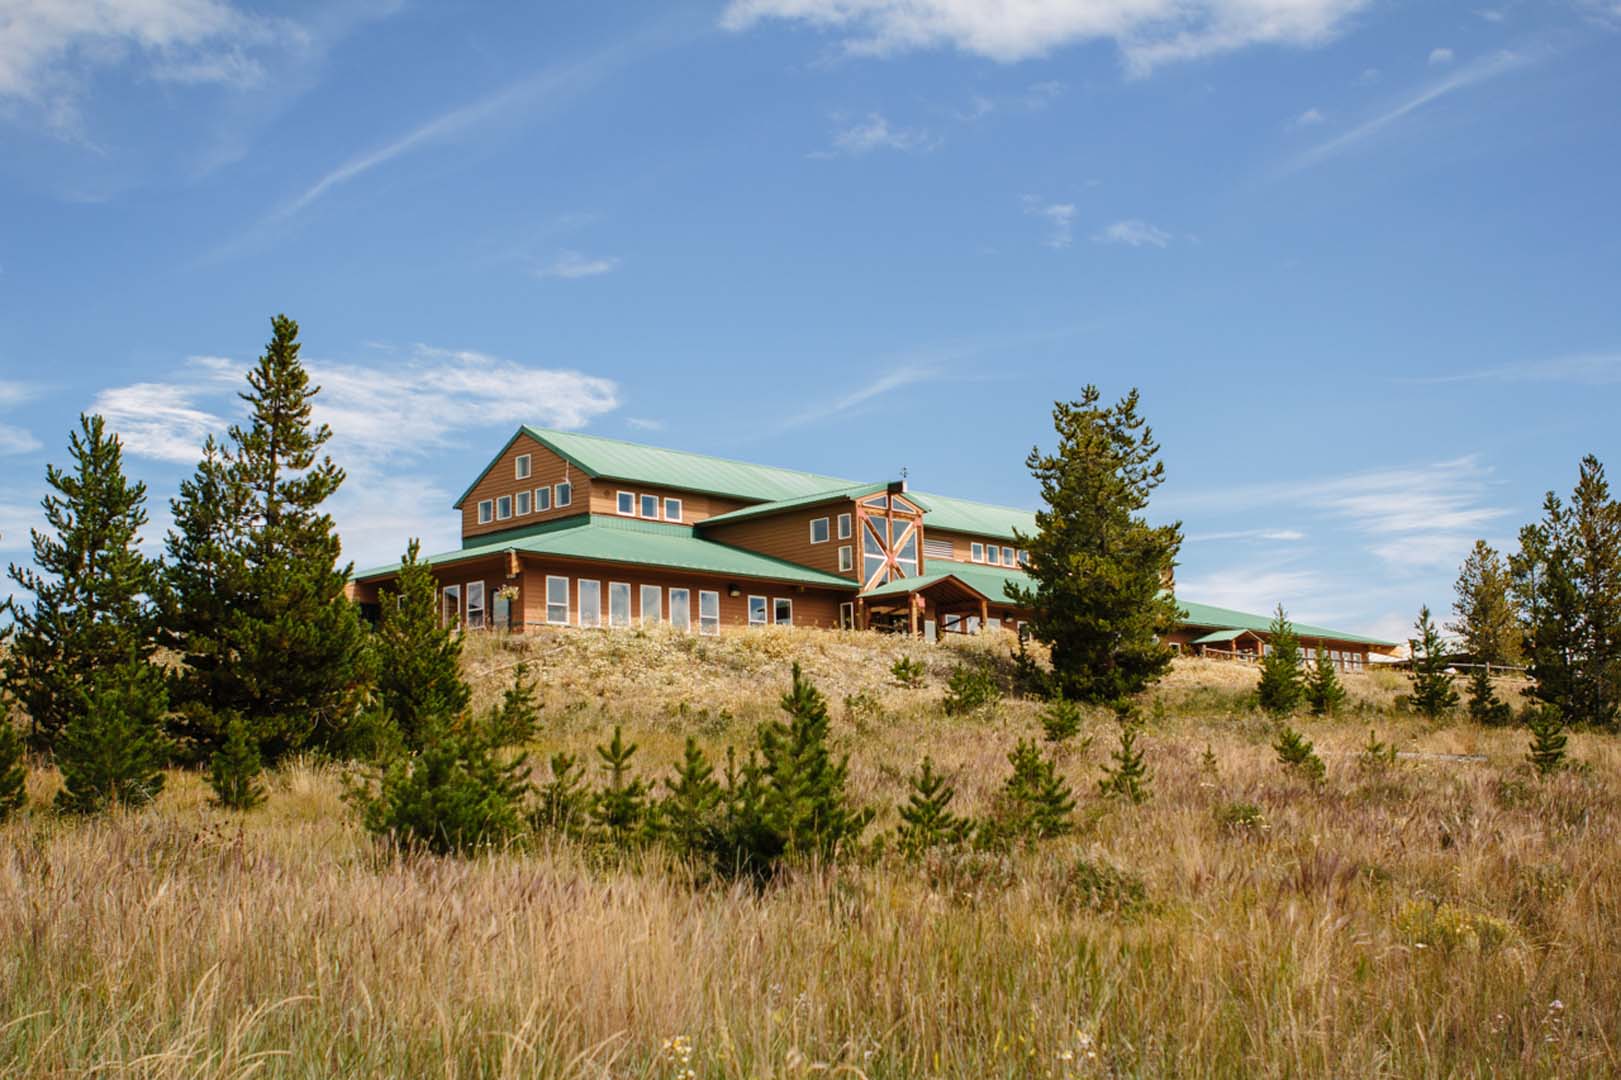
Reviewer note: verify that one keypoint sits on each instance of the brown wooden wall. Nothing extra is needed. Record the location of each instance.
(787, 536)
(960, 549)
(694, 507)
(812, 606)
(546, 468)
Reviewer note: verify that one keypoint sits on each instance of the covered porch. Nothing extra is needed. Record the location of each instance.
(930, 604)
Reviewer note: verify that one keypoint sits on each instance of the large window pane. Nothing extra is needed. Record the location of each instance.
(618, 604)
(557, 600)
(475, 605)
(709, 612)
(783, 611)
(652, 606)
(681, 609)
(757, 611)
(590, 602)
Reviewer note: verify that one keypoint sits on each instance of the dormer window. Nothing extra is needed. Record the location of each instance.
(486, 512)
(672, 509)
(627, 503)
(818, 530)
(565, 494)
(650, 506)
(503, 508)
(522, 466)
(976, 552)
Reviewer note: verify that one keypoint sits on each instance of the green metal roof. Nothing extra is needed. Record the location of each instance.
(1218, 636)
(850, 491)
(1228, 619)
(988, 581)
(638, 543)
(982, 519)
(656, 466)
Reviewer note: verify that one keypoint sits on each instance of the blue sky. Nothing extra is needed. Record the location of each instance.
(1361, 257)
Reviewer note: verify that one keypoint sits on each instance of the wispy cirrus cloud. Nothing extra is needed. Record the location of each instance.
(571, 265)
(1281, 536)
(1472, 74)
(14, 439)
(875, 133)
(892, 380)
(1133, 232)
(1148, 33)
(1585, 369)
(1060, 218)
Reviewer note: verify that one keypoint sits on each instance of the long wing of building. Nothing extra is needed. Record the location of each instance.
(566, 529)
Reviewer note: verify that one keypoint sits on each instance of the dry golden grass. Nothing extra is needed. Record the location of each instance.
(1440, 918)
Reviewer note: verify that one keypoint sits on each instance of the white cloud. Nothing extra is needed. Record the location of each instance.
(1469, 75)
(1587, 369)
(1042, 94)
(1370, 76)
(895, 379)
(570, 265)
(1133, 233)
(50, 48)
(642, 423)
(1440, 57)
(13, 439)
(1282, 536)
(1147, 32)
(1059, 216)
(1252, 589)
(1310, 118)
(874, 133)
(158, 420)
(16, 519)
(1492, 15)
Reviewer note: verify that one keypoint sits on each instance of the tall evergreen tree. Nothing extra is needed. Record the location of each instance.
(1550, 606)
(278, 645)
(13, 768)
(1280, 689)
(1485, 617)
(91, 587)
(1433, 692)
(111, 754)
(1323, 690)
(1100, 571)
(419, 674)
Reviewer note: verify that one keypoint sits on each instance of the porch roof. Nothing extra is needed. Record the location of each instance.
(1219, 636)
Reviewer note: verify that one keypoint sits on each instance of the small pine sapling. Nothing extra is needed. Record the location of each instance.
(1547, 727)
(513, 722)
(688, 815)
(908, 672)
(1035, 803)
(1126, 774)
(234, 769)
(1060, 719)
(13, 769)
(1208, 764)
(926, 818)
(564, 804)
(1376, 756)
(620, 808)
(1485, 707)
(1433, 693)
(1324, 692)
(1279, 690)
(969, 690)
(1295, 751)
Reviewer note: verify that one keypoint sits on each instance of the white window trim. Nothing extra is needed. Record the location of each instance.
(445, 594)
(844, 526)
(847, 558)
(670, 603)
(668, 502)
(562, 494)
(630, 618)
(711, 631)
(976, 552)
(503, 499)
(483, 606)
(765, 611)
(580, 606)
(549, 620)
(1009, 556)
(522, 467)
(547, 492)
(775, 600)
(486, 511)
(847, 616)
(654, 516)
(827, 530)
(641, 605)
(619, 503)
(521, 504)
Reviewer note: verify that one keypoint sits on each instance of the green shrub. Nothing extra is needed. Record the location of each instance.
(1035, 803)
(1547, 727)
(13, 769)
(688, 817)
(234, 770)
(564, 803)
(1240, 817)
(908, 672)
(1126, 774)
(1061, 719)
(619, 811)
(926, 817)
(455, 795)
(513, 722)
(1099, 887)
(1376, 756)
(112, 751)
(1295, 751)
(970, 689)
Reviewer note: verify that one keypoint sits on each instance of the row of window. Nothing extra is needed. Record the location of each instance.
(525, 503)
(819, 530)
(651, 607)
(631, 504)
(995, 554)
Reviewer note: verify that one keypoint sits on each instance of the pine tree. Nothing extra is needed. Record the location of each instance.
(13, 769)
(1547, 727)
(1126, 775)
(620, 808)
(1295, 751)
(235, 769)
(1060, 720)
(514, 720)
(419, 675)
(926, 818)
(1099, 569)
(1433, 692)
(91, 587)
(1324, 693)
(805, 799)
(1376, 755)
(1035, 803)
(564, 805)
(278, 644)
(111, 754)
(1485, 707)
(1280, 690)
(688, 815)
(1486, 620)
(456, 795)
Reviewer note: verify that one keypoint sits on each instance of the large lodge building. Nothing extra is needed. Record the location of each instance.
(564, 529)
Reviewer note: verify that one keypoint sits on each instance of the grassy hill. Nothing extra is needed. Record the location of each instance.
(1445, 915)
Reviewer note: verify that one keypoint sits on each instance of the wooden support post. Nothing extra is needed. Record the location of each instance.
(984, 614)
(911, 611)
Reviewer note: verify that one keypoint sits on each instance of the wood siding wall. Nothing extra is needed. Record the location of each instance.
(787, 536)
(960, 542)
(812, 607)
(546, 469)
(694, 507)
